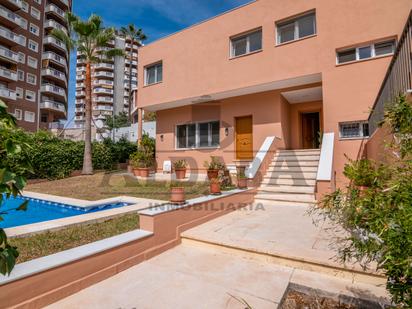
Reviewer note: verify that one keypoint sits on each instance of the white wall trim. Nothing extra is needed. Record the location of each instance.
(326, 157)
(252, 169)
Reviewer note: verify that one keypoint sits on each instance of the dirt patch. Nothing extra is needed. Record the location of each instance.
(298, 300)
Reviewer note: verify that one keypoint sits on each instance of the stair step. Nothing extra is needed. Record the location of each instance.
(286, 197)
(287, 189)
(288, 181)
(280, 203)
(293, 163)
(299, 153)
(280, 157)
(293, 175)
(285, 168)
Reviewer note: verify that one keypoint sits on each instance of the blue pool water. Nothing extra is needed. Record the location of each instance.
(40, 210)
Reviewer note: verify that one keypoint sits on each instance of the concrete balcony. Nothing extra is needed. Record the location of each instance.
(80, 101)
(102, 82)
(7, 94)
(101, 99)
(80, 93)
(55, 74)
(52, 24)
(11, 37)
(102, 91)
(53, 106)
(53, 89)
(104, 66)
(55, 10)
(12, 19)
(14, 5)
(65, 2)
(80, 77)
(55, 43)
(103, 108)
(79, 118)
(80, 85)
(80, 69)
(8, 55)
(55, 58)
(103, 74)
(8, 75)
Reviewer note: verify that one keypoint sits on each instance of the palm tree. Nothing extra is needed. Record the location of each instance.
(135, 35)
(92, 41)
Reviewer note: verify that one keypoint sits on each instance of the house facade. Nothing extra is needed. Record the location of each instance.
(290, 69)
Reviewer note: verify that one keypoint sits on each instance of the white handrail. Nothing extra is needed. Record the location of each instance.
(253, 168)
(326, 157)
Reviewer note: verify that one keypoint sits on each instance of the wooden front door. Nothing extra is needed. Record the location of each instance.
(244, 138)
(310, 130)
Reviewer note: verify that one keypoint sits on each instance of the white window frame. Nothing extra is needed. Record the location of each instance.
(19, 92)
(34, 95)
(16, 111)
(34, 27)
(34, 60)
(25, 6)
(20, 73)
(32, 114)
(371, 46)
(34, 44)
(28, 76)
(146, 80)
(361, 130)
(197, 135)
(35, 13)
(247, 37)
(295, 20)
(22, 57)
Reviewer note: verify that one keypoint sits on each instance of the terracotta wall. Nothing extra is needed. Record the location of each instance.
(376, 149)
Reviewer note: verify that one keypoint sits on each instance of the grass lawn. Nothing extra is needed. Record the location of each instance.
(51, 242)
(103, 185)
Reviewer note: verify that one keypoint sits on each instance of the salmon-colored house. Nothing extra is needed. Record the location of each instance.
(291, 69)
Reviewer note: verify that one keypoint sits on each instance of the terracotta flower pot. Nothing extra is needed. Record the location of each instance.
(180, 173)
(212, 174)
(242, 183)
(215, 188)
(136, 172)
(177, 195)
(144, 172)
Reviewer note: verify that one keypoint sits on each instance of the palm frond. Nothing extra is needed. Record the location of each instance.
(114, 52)
(66, 39)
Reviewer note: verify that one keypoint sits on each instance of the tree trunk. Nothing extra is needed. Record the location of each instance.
(130, 80)
(87, 157)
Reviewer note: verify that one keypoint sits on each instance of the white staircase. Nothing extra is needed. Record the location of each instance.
(290, 178)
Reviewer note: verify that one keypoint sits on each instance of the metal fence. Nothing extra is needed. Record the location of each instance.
(397, 79)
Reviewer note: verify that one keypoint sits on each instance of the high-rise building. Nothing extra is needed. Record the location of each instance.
(110, 83)
(34, 66)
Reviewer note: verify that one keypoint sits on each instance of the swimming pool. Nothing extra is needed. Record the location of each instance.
(42, 210)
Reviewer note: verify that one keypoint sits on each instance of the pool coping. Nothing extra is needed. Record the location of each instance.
(137, 204)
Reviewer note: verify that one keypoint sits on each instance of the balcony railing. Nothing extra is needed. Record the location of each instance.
(55, 42)
(54, 73)
(17, 3)
(9, 74)
(8, 54)
(103, 82)
(103, 74)
(104, 66)
(53, 89)
(52, 105)
(7, 94)
(103, 99)
(51, 8)
(55, 57)
(6, 13)
(102, 90)
(398, 78)
(50, 23)
(11, 36)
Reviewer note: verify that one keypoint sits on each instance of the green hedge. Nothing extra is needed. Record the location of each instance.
(53, 158)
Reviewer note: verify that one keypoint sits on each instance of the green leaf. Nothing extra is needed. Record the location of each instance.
(23, 206)
(20, 182)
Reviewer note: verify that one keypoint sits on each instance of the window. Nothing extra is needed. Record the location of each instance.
(198, 135)
(366, 52)
(296, 28)
(22, 57)
(30, 95)
(31, 79)
(32, 62)
(19, 92)
(33, 46)
(25, 6)
(29, 116)
(355, 129)
(245, 44)
(35, 13)
(20, 75)
(37, 1)
(18, 114)
(34, 29)
(154, 74)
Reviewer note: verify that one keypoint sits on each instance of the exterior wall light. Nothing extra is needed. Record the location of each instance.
(226, 131)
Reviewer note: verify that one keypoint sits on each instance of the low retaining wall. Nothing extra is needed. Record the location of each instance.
(42, 281)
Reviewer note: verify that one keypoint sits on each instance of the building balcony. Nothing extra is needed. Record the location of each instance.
(101, 99)
(53, 89)
(56, 11)
(80, 101)
(80, 85)
(53, 106)
(80, 77)
(11, 19)
(55, 74)
(80, 69)
(102, 91)
(10, 37)
(79, 118)
(103, 108)
(52, 24)
(103, 82)
(103, 74)
(55, 43)
(55, 58)
(80, 93)
(7, 94)
(13, 5)
(8, 55)
(8, 75)
(104, 66)
(65, 2)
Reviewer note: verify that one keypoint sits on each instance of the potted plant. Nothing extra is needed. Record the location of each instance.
(145, 163)
(180, 169)
(213, 167)
(177, 195)
(215, 186)
(135, 163)
(241, 179)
